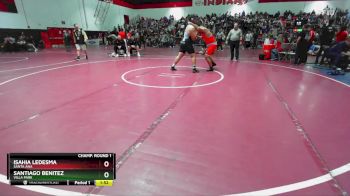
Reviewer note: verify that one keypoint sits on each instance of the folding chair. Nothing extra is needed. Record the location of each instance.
(284, 53)
(288, 51)
(291, 52)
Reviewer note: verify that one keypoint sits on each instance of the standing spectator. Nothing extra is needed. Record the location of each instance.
(142, 39)
(233, 38)
(255, 39)
(80, 39)
(66, 38)
(220, 38)
(342, 34)
(248, 39)
(102, 36)
(326, 38)
(301, 50)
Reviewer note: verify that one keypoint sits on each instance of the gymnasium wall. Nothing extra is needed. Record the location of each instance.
(253, 5)
(39, 14)
(51, 13)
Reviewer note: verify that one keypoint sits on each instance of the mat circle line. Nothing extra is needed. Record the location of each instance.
(14, 61)
(123, 77)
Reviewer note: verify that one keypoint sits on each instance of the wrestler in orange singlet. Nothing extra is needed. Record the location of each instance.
(211, 43)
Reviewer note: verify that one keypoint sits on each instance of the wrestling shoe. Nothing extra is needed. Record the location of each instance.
(211, 69)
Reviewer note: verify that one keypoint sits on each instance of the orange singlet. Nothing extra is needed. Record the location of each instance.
(210, 42)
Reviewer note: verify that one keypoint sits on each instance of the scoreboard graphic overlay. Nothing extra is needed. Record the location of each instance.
(79, 169)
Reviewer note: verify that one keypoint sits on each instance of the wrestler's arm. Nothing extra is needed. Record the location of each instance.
(204, 30)
(194, 35)
(199, 28)
(194, 25)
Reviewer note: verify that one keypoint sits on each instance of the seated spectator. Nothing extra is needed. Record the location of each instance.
(339, 54)
(326, 39)
(171, 41)
(119, 47)
(9, 44)
(163, 40)
(313, 49)
(311, 35)
(111, 38)
(21, 42)
(133, 45)
(277, 49)
(269, 40)
(26, 43)
(31, 44)
(342, 34)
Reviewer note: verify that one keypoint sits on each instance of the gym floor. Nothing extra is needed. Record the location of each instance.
(251, 125)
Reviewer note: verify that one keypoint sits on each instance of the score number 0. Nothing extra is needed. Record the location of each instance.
(106, 164)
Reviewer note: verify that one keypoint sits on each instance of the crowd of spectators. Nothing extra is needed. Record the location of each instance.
(21, 43)
(258, 26)
(305, 30)
(150, 32)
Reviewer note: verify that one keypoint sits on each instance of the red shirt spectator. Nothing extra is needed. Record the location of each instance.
(312, 35)
(279, 46)
(128, 35)
(341, 35)
(122, 34)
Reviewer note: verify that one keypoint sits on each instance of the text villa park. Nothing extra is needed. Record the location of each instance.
(220, 2)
